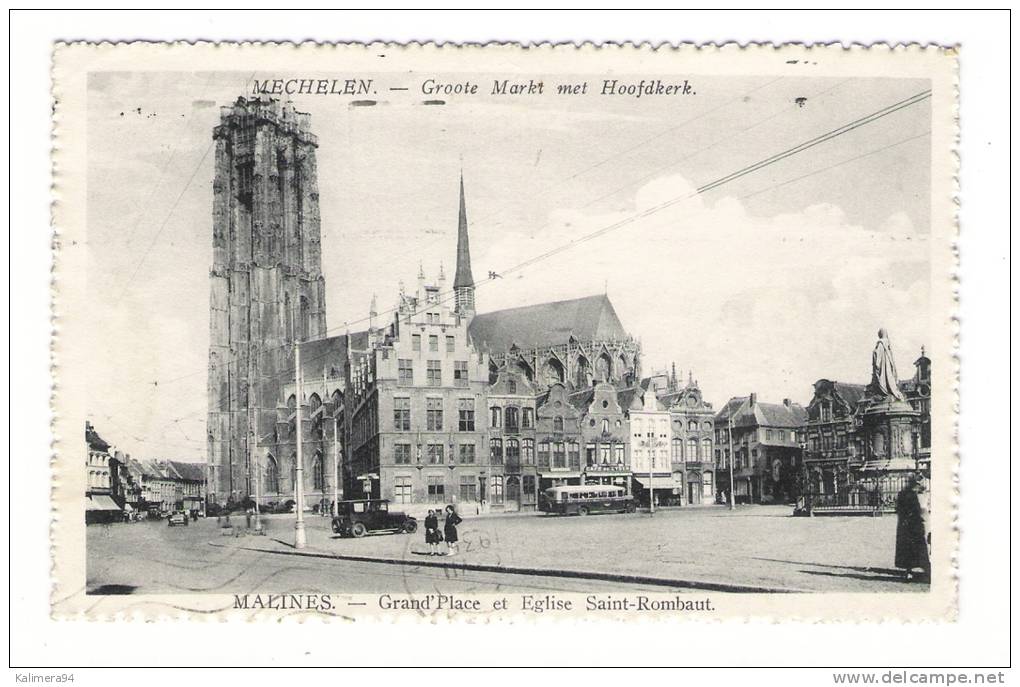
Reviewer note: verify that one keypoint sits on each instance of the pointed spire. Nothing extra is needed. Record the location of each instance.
(442, 272)
(463, 276)
(421, 272)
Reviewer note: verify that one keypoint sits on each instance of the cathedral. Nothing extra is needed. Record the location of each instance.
(400, 410)
(266, 284)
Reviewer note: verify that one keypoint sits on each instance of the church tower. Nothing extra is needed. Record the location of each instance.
(463, 282)
(266, 283)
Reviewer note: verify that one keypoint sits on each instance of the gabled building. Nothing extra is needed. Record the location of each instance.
(417, 404)
(835, 449)
(512, 425)
(760, 443)
(557, 438)
(650, 433)
(605, 430)
(833, 440)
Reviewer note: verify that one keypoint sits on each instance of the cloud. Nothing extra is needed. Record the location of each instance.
(898, 223)
(750, 303)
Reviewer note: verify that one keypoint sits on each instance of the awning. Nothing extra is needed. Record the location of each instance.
(658, 482)
(100, 502)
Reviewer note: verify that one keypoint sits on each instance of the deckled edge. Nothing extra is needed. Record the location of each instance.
(188, 615)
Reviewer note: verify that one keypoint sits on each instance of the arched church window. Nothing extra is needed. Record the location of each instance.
(552, 372)
(288, 318)
(582, 376)
(305, 324)
(271, 478)
(318, 473)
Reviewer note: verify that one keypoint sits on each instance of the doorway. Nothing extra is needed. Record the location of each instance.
(513, 493)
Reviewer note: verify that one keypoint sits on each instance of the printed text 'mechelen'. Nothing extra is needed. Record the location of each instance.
(312, 87)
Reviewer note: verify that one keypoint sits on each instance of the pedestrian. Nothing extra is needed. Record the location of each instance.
(432, 535)
(911, 539)
(450, 530)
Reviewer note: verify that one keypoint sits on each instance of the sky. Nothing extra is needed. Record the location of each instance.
(764, 284)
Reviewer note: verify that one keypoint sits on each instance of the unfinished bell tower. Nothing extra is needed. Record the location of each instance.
(266, 283)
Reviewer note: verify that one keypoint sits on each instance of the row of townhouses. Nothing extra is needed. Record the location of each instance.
(436, 403)
(117, 485)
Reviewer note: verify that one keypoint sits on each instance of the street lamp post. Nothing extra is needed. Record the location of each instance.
(299, 488)
(729, 431)
(336, 463)
(651, 473)
(258, 480)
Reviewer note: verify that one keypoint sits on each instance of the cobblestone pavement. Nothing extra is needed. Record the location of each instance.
(151, 558)
(753, 546)
(761, 546)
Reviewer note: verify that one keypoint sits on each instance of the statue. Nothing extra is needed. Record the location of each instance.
(884, 380)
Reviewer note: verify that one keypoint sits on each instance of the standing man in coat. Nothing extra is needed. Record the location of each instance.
(911, 535)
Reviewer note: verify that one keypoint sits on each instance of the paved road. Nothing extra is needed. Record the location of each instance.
(752, 546)
(151, 558)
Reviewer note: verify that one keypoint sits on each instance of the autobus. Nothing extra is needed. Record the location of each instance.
(582, 499)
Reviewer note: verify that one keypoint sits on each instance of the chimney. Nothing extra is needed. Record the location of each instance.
(786, 402)
(754, 399)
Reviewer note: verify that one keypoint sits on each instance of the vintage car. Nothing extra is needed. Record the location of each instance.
(357, 518)
(177, 518)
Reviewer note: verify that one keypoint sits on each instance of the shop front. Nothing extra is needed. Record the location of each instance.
(666, 489)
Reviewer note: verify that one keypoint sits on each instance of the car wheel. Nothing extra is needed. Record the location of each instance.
(358, 529)
(410, 526)
(631, 508)
(583, 510)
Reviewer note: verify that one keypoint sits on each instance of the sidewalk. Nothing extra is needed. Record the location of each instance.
(752, 549)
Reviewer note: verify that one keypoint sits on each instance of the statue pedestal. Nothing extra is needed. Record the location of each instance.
(890, 434)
